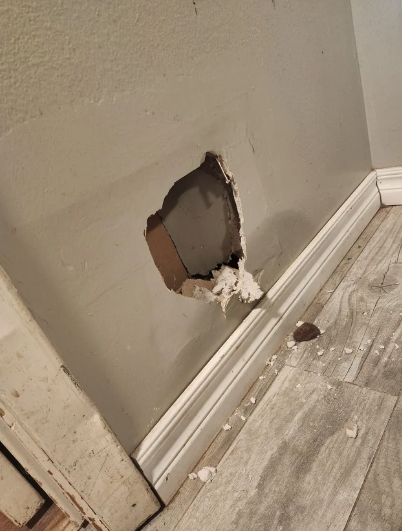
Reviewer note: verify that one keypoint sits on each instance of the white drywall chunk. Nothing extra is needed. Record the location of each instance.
(291, 344)
(227, 427)
(299, 323)
(261, 377)
(320, 352)
(329, 386)
(207, 474)
(348, 350)
(352, 429)
(193, 475)
(253, 400)
(382, 347)
(242, 417)
(332, 349)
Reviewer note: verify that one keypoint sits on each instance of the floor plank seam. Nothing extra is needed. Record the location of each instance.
(369, 467)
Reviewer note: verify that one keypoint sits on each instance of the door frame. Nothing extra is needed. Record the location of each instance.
(57, 433)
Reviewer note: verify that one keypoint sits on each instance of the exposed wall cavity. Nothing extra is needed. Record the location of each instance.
(196, 238)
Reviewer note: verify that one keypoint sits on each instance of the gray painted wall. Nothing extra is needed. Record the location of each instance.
(105, 105)
(378, 27)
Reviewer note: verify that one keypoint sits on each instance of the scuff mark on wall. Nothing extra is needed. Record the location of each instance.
(174, 232)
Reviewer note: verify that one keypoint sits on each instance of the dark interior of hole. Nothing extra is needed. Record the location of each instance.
(197, 229)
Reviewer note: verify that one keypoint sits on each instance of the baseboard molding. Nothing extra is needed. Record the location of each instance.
(177, 442)
(389, 182)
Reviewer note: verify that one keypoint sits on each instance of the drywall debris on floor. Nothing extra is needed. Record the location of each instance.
(197, 241)
(348, 350)
(226, 427)
(352, 429)
(207, 474)
(306, 332)
(253, 400)
(193, 475)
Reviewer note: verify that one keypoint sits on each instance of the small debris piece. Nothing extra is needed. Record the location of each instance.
(376, 352)
(329, 386)
(332, 349)
(306, 332)
(322, 331)
(368, 341)
(193, 475)
(348, 350)
(295, 348)
(242, 417)
(330, 290)
(261, 377)
(382, 347)
(227, 427)
(320, 352)
(207, 474)
(352, 429)
(253, 400)
(274, 357)
(299, 323)
(361, 348)
(298, 386)
(396, 346)
(276, 371)
(291, 344)
(365, 313)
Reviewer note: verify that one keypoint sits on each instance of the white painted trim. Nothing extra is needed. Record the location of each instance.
(177, 442)
(389, 182)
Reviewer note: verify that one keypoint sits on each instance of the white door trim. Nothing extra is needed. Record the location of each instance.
(61, 429)
(177, 442)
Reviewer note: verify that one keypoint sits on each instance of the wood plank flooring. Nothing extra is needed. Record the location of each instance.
(290, 465)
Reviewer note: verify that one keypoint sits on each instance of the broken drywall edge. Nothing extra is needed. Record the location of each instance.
(226, 281)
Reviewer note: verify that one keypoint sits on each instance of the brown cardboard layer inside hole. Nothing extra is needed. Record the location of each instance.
(196, 238)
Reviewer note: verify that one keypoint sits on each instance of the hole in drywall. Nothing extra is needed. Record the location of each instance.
(196, 238)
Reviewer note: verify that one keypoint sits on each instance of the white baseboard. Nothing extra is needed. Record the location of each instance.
(389, 182)
(177, 442)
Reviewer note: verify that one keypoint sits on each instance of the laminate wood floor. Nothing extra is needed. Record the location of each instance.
(287, 464)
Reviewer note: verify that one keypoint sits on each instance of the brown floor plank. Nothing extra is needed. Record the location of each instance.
(51, 519)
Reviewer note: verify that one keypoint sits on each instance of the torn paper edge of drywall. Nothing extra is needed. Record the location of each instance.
(230, 282)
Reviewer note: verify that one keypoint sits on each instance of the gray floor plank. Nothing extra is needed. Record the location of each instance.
(364, 315)
(293, 468)
(379, 506)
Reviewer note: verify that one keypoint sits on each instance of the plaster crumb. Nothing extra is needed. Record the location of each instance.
(329, 386)
(365, 313)
(295, 348)
(298, 386)
(352, 429)
(348, 350)
(376, 352)
(382, 347)
(261, 377)
(291, 344)
(242, 417)
(274, 357)
(330, 290)
(332, 349)
(253, 400)
(299, 323)
(207, 474)
(320, 353)
(193, 475)
(361, 348)
(322, 331)
(227, 427)
(368, 341)
(276, 371)
(396, 346)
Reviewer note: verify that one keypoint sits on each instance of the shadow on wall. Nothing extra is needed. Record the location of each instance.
(62, 323)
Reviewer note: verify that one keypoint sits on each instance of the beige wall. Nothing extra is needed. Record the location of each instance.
(106, 105)
(378, 27)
